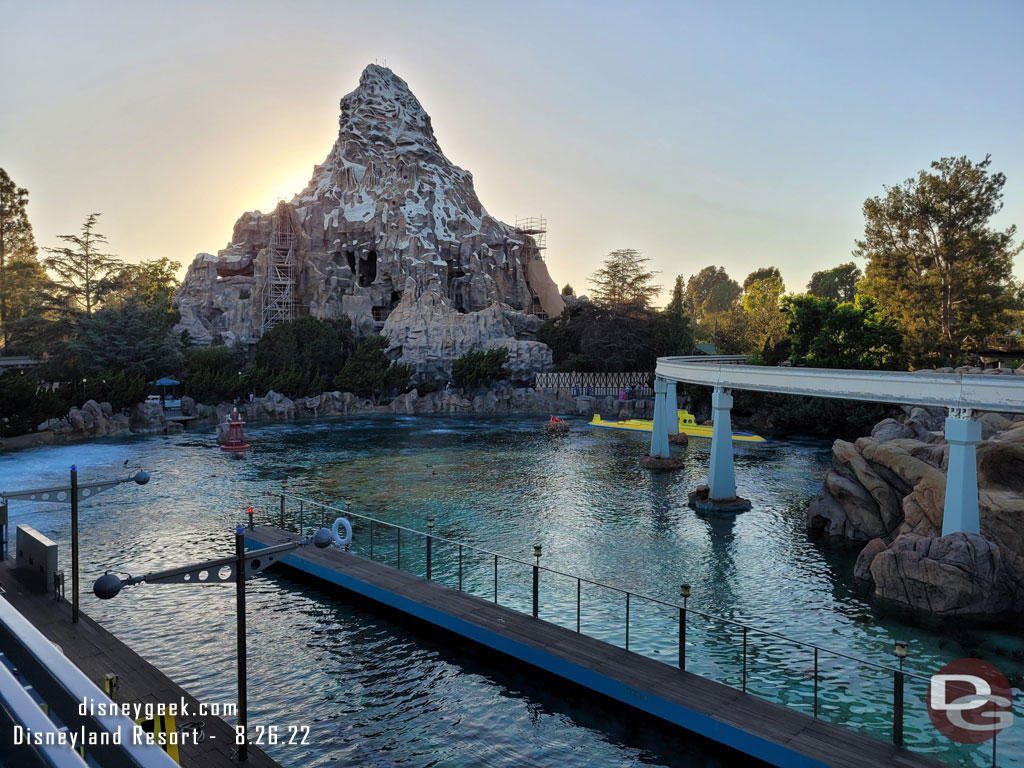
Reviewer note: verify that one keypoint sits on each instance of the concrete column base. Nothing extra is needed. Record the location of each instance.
(667, 464)
(701, 501)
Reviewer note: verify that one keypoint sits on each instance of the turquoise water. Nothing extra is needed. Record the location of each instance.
(375, 693)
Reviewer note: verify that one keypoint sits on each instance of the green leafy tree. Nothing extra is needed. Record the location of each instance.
(307, 344)
(765, 321)
(935, 265)
(711, 291)
(567, 290)
(151, 284)
(624, 282)
(764, 273)
(848, 335)
(84, 272)
(838, 283)
(369, 373)
(21, 274)
(591, 337)
(480, 367)
(712, 299)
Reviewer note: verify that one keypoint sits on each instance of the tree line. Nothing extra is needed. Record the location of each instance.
(936, 289)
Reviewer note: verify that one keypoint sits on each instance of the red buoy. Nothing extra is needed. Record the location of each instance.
(235, 438)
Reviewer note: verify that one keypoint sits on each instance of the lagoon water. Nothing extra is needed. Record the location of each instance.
(377, 693)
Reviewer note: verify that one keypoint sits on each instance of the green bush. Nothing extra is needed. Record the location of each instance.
(115, 387)
(479, 367)
(369, 373)
(24, 406)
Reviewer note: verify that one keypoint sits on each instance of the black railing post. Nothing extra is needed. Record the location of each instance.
(627, 621)
(744, 659)
(684, 592)
(495, 579)
(371, 539)
(682, 638)
(399, 548)
(460, 567)
(243, 689)
(577, 605)
(815, 682)
(282, 511)
(897, 708)
(74, 544)
(897, 695)
(430, 542)
(536, 580)
(302, 516)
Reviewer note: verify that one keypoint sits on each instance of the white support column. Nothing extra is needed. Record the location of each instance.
(672, 408)
(960, 513)
(659, 430)
(721, 475)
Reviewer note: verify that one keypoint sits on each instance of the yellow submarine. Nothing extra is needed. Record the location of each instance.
(687, 426)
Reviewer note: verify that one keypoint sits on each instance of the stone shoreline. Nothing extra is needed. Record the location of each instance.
(99, 420)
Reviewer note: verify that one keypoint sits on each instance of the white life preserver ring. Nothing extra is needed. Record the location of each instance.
(348, 532)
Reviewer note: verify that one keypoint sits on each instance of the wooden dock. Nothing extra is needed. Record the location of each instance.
(766, 731)
(97, 652)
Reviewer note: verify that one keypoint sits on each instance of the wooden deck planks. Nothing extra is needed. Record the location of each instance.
(826, 742)
(97, 652)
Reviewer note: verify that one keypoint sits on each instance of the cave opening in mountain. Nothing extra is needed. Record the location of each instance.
(350, 257)
(367, 269)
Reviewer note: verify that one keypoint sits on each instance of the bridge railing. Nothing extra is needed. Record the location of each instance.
(796, 673)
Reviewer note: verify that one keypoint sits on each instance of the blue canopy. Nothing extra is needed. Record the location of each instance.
(166, 382)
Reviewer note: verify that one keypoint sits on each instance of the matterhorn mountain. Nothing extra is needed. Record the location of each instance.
(389, 233)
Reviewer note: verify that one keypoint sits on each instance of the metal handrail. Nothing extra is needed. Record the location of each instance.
(899, 674)
(585, 580)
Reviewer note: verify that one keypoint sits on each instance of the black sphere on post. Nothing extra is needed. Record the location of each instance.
(107, 586)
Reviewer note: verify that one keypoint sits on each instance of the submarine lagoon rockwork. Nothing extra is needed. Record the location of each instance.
(886, 492)
(391, 234)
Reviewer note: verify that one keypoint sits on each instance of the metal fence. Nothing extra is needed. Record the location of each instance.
(597, 384)
(415, 551)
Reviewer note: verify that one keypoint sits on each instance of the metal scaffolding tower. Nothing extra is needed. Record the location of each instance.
(536, 227)
(278, 291)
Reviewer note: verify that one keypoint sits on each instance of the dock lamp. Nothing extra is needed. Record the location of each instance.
(239, 568)
(72, 494)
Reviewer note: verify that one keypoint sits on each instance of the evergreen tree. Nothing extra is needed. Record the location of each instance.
(935, 265)
(21, 275)
(369, 373)
(674, 331)
(624, 282)
(84, 272)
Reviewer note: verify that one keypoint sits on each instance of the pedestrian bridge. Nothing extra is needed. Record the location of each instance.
(962, 395)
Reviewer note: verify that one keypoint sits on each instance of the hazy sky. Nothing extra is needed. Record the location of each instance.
(738, 134)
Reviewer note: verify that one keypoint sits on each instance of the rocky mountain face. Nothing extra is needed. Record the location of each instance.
(390, 233)
(887, 492)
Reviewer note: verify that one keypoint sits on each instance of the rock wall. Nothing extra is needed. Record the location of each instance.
(887, 493)
(391, 234)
